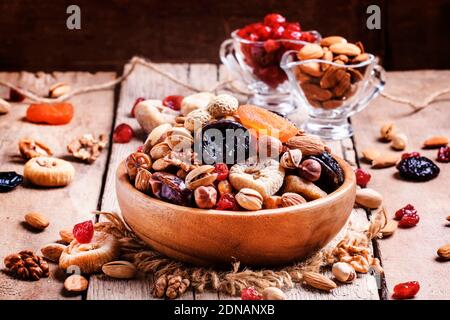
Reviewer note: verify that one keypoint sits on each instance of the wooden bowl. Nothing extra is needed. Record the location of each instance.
(213, 237)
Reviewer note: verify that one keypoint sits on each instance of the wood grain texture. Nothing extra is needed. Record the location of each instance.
(410, 254)
(63, 206)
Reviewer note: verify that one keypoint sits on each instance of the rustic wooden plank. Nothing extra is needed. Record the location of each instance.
(63, 206)
(141, 83)
(411, 253)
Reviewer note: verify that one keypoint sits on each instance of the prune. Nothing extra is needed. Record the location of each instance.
(417, 169)
(9, 180)
(332, 175)
(224, 141)
(173, 189)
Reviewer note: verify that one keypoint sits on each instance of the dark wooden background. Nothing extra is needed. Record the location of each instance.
(33, 33)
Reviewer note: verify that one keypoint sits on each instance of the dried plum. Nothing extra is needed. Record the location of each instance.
(173, 189)
(224, 141)
(417, 169)
(332, 175)
(9, 180)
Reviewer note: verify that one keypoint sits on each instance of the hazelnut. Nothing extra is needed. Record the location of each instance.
(310, 170)
(205, 197)
(387, 131)
(135, 161)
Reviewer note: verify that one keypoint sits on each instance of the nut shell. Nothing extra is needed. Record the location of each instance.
(196, 119)
(223, 105)
(249, 199)
(135, 161)
(343, 272)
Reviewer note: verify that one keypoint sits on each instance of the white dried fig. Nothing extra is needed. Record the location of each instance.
(265, 176)
(90, 257)
(48, 172)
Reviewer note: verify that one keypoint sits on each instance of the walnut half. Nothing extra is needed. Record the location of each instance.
(87, 148)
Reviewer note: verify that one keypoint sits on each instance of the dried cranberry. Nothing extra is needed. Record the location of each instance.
(15, 96)
(406, 290)
(140, 148)
(84, 231)
(274, 19)
(271, 45)
(123, 133)
(294, 26)
(362, 177)
(308, 37)
(138, 100)
(443, 154)
(410, 154)
(409, 220)
(418, 169)
(222, 171)
(173, 102)
(227, 202)
(250, 293)
(263, 32)
(409, 208)
(277, 32)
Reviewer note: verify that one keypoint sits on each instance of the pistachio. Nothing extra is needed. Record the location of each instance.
(135, 161)
(119, 269)
(201, 176)
(368, 198)
(273, 293)
(5, 106)
(160, 151)
(58, 90)
(399, 141)
(343, 272)
(387, 131)
(291, 159)
(157, 135)
(249, 199)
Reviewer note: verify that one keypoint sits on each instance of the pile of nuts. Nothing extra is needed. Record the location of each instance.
(330, 83)
(182, 163)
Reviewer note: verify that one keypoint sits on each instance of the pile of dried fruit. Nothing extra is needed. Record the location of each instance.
(228, 157)
(330, 83)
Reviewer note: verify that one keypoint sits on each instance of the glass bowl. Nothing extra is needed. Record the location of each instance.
(257, 64)
(332, 92)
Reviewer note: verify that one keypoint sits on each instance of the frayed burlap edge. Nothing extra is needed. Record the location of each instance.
(230, 282)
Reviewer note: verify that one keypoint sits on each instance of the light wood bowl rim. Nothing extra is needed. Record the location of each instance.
(348, 184)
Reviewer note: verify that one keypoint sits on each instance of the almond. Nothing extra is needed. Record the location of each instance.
(399, 141)
(310, 51)
(52, 251)
(291, 199)
(318, 281)
(308, 144)
(348, 49)
(66, 235)
(311, 68)
(328, 41)
(385, 160)
(58, 90)
(5, 106)
(371, 154)
(389, 228)
(119, 269)
(315, 92)
(36, 220)
(76, 283)
(435, 142)
(444, 252)
(368, 198)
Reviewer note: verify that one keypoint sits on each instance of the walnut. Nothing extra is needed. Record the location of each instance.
(30, 148)
(184, 160)
(172, 286)
(135, 161)
(87, 148)
(26, 265)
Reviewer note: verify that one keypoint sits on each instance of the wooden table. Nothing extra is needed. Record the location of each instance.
(408, 255)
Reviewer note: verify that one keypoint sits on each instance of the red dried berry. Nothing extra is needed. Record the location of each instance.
(271, 45)
(409, 208)
(362, 177)
(409, 220)
(15, 96)
(140, 148)
(227, 202)
(173, 102)
(138, 100)
(410, 155)
(123, 133)
(274, 19)
(406, 290)
(84, 231)
(250, 293)
(222, 171)
(277, 32)
(263, 32)
(443, 154)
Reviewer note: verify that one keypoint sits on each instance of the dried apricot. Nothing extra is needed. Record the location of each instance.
(266, 122)
(56, 113)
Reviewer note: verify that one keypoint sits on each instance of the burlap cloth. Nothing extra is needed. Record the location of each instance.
(168, 272)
